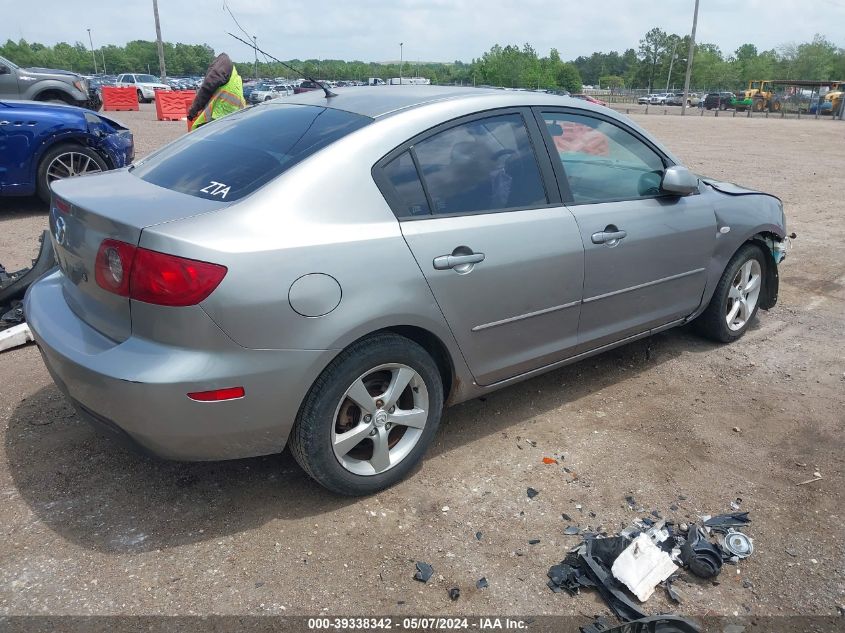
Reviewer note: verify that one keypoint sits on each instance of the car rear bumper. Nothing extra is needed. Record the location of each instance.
(138, 388)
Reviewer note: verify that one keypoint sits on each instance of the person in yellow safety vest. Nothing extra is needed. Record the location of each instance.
(221, 93)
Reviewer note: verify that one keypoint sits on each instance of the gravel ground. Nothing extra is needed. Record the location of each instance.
(674, 421)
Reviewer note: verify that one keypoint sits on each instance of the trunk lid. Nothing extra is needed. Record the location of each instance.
(87, 210)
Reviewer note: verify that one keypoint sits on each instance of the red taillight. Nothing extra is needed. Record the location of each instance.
(154, 277)
(216, 395)
(168, 280)
(61, 205)
(113, 266)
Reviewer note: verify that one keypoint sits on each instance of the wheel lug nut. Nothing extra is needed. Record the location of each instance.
(379, 403)
(392, 409)
(368, 418)
(373, 433)
(388, 426)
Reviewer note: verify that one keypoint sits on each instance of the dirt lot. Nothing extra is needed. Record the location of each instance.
(88, 528)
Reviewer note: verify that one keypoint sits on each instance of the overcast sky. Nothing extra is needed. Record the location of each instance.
(432, 30)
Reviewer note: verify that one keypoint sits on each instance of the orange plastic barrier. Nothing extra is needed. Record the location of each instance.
(120, 98)
(172, 105)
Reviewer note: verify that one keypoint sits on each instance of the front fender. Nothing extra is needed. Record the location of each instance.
(43, 85)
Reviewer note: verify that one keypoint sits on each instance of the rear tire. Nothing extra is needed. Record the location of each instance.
(736, 299)
(66, 160)
(369, 369)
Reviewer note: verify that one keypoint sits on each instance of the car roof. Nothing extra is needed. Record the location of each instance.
(379, 101)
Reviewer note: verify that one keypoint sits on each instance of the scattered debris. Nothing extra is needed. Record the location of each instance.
(424, 571)
(13, 328)
(533, 541)
(641, 557)
(737, 544)
(15, 336)
(444, 509)
(532, 493)
(642, 566)
(549, 460)
(737, 430)
(722, 522)
(810, 481)
(735, 504)
(671, 592)
(454, 593)
(702, 557)
(572, 530)
(651, 624)
(565, 516)
(478, 536)
(482, 583)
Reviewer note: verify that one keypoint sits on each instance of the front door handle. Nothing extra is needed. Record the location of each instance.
(609, 237)
(445, 262)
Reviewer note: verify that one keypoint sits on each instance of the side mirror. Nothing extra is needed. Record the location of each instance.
(679, 181)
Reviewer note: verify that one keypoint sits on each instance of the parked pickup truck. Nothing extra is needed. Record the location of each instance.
(44, 84)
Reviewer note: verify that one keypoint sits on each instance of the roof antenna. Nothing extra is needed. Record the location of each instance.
(328, 92)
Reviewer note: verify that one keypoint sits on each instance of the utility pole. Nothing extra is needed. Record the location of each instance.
(255, 47)
(103, 55)
(400, 62)
(161, 68)
(689, 60)
(93, 56)
(671, 64)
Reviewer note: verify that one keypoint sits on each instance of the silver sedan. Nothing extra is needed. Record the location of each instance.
(327, 273)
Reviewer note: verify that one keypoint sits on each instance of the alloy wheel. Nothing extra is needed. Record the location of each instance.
(743, 294)
(380, 419)
(71, 164)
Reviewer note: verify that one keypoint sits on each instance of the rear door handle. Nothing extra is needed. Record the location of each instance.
(445, 262)
(611, 238)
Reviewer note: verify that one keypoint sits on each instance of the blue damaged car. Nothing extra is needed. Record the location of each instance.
(44, 142)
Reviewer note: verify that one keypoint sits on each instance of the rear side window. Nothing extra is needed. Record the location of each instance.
(234, 156)
(402, 175)
(483, 165)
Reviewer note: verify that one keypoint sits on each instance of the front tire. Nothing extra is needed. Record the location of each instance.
(66, 161)
(737, 296)
(370, 416)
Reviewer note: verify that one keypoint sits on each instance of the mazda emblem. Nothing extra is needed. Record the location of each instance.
(61, 230)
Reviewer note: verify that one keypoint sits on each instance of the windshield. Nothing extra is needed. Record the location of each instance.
(146, 79)
(236, 155)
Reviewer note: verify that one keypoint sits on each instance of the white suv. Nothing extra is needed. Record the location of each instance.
(145, 84)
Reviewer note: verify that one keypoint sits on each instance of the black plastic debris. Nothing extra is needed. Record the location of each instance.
(651, 624)
(12, 316)
(454, 593)
(532, 493)
(722, 522)
(673, 595)
(572, 530)
(481, 583)
(478, 536)
(632, 503)
(702, 557)
(533, 541)
(424, 571)
(14, 285)
(565, 516)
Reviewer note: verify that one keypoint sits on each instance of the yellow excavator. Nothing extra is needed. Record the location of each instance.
(761, 95)
(834, 98)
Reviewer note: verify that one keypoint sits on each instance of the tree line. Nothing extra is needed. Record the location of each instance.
(660, 59)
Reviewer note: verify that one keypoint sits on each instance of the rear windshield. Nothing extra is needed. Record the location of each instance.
(234, 156)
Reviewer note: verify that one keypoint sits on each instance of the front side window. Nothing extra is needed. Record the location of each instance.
(603, 162)
(129, 79)
(483, 165)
